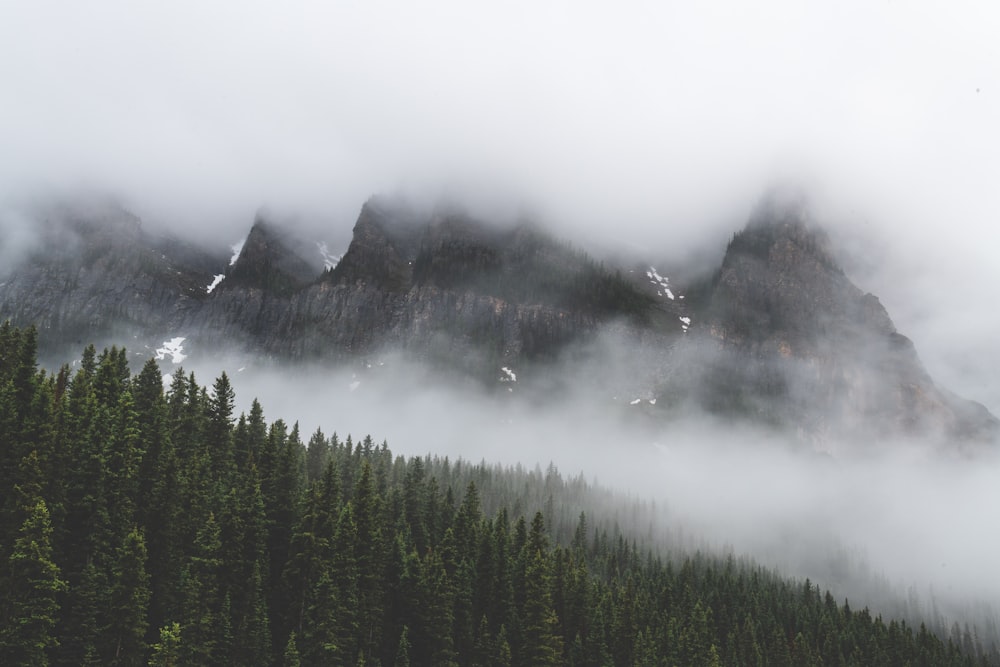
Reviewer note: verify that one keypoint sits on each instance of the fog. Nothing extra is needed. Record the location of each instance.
(886, 524)
(649, 127)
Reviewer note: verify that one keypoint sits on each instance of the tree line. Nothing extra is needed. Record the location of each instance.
(149, 524)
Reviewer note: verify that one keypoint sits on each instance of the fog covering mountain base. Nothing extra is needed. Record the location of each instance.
(777, 334)
(729, 423)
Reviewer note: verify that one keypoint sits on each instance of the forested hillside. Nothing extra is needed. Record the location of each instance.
(148, 525)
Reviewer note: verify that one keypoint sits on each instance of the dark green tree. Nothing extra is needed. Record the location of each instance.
(33, 584)
(167, 652)
(129, 603)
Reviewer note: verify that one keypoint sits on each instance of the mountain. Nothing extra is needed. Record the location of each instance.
(788, 338)
(778, 335)
(94, 274)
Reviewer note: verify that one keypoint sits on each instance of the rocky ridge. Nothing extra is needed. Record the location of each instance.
(779, 335)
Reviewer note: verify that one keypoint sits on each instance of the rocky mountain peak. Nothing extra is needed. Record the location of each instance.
(385, 244)
(780, 284)
(780, 334)
(800, 343)
(268, 261)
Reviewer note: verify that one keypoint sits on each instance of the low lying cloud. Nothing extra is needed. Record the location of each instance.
(645, 127)
(901, 526)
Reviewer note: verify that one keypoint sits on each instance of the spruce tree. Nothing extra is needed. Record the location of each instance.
(33, 584)
(167, 652)
(130, 600)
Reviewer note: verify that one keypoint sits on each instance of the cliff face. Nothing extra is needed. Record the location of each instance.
(267, 262)
(780, 335)
(403, 283)
(789, 338)
(100, 278)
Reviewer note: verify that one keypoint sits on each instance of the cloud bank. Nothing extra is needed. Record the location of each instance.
(651, 125)
(654, 126)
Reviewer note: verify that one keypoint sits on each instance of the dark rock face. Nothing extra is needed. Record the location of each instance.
(100, 278)
(789, 338)
(267, 262)
(422, 286)
(780, 335)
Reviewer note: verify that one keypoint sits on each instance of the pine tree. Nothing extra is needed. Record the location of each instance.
(290, 658)
(317, 455)
(167, 652)
(130, 600)
(219, 430)
(541, 643)
(403, 649)
(33, 584)
(370, 558)
(436, 615)
(201, 630)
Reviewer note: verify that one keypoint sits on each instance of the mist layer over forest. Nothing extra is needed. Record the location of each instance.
(648, 128)
(898, 525)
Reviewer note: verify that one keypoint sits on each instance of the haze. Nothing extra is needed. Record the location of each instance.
(880, 523)
(646, 126)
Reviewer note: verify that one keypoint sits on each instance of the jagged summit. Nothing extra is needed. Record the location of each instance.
(267, 261)
(381, 253)
(780, 334)
(797, 342)
(397, 251)
(778, 279)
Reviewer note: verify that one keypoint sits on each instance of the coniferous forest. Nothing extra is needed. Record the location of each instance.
(144, 522)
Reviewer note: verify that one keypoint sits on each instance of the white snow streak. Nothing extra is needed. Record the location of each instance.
(237, 249)
(173, 348)
(215, 282)
(510, 376)
(662, 282)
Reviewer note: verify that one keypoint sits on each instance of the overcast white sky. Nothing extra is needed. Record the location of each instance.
(650, 122)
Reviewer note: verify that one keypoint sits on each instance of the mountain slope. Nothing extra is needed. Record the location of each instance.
(780, 335)
(448, 289)
(791, 339)
(95, 274)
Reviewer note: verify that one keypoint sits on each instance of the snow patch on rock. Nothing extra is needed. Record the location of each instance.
(237, 249)
(215, 282)
(173, 348)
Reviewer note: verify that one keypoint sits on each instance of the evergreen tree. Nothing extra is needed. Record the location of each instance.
(202, 626)
(167, 652)
(370, 559)
(403, 650)
(219, 430)
(290, 658)
(32, 585)
(130, 600)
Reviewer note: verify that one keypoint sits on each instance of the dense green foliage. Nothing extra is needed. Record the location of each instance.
(143, 526)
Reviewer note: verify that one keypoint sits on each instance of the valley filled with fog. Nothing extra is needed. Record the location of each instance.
(642, 133)
(902, 526)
